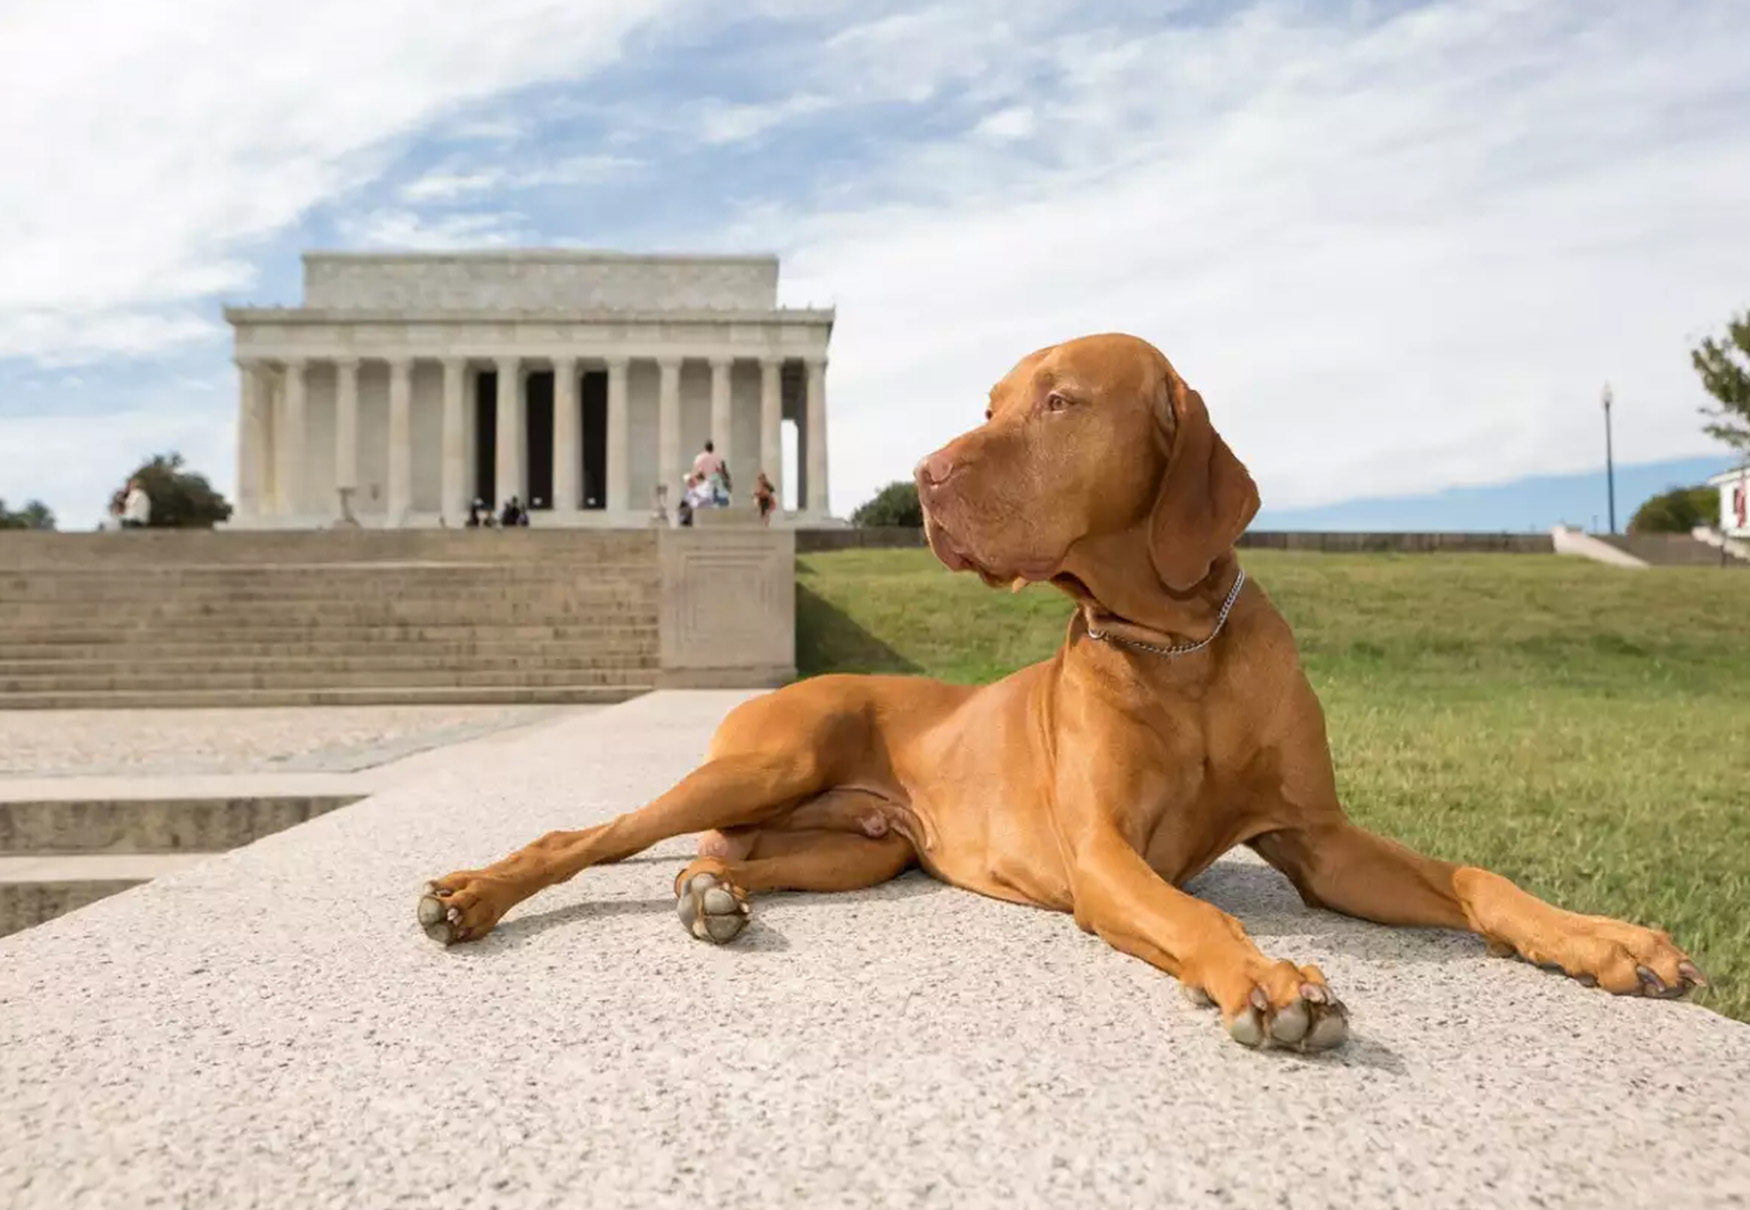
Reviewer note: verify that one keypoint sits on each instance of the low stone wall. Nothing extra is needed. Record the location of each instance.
(886, 537)
(727, 608)
(1338, 541)
(811, 541)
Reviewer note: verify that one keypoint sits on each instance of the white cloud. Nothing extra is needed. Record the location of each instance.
(1015, 122)
(1392, 257)
(450, 183)
(409, 230)
(442, 186)
(1394, 252)
(720, 122)
(148, 145)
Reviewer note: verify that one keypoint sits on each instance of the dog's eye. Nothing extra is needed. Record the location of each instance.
(987, 414)
(1055, 403)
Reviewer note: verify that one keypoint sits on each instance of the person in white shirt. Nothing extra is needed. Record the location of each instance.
(137, 508)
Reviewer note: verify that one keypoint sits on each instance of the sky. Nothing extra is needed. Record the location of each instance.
(1398, 247)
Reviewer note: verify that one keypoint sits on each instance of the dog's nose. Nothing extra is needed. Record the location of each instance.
(936, 470)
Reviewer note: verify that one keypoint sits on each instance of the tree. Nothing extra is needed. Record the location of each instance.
(1677, 511)
(181, 499)
(34, 515)
(1724, 367)
(896, 505)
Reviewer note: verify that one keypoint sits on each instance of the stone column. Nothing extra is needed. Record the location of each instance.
(817, 488)
(567, 437)
(668, 429)
(289, 474)
(346, 423)
(455, 478)
(508, 456)
(252, 446)
(722, 422)
(400, 442)
(619, 464)
(772, 424)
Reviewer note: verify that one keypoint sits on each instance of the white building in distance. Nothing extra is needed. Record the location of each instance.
(1734, 488)
(408, 385)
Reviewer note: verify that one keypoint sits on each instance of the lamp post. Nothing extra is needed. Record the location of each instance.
(1609, 460)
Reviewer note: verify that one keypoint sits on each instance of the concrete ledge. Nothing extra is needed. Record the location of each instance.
(37, 888)
(270, 1028)
(163, 824)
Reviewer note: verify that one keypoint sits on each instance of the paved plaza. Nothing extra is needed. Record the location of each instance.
(271, 1028)
(215, 742)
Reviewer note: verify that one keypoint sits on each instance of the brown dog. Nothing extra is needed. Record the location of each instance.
(1174, 723)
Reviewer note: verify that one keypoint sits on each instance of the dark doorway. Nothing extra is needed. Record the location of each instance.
(486, 438)
(595, 439)
(540, 439)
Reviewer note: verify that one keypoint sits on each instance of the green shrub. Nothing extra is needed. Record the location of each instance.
(894, 505)
(1677, 511)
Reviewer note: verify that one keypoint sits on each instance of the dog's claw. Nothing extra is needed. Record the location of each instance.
(1651, 984)
(430, 910)
(1691, 973)
(1290, 1025)
(1246, 1027)
(710, 911)
(1196, 995)
(1329, 1030)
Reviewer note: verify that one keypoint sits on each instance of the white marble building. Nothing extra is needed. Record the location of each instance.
(578, 380)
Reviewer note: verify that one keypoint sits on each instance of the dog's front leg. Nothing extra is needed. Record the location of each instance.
(1123, 901)
(1336, 865)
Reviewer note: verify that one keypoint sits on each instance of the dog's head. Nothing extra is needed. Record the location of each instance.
(1087, 441)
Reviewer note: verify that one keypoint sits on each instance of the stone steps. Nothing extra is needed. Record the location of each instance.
(396, 611)
(611, 671)
(1672, 550)
(185, 548)
(326, 643)
(40, 656)
(43, 580)
(308, 618)
(582, 692)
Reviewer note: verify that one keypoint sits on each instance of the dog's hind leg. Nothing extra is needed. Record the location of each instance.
(728, 791)
(712, 892)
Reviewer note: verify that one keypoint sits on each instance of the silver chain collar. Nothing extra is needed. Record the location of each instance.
(1179, 648)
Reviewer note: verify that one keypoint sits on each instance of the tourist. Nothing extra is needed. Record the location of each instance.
(708, 463)
(511, 515)
(766, 496)
(136, 507)
(474, 511)
(696, 494)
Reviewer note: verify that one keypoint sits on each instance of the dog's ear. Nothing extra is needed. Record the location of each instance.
(1206, 497)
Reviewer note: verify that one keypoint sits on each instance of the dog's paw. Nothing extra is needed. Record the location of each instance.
(1622, 958)
(1281, 1007)
(457, 907)
(711, 907)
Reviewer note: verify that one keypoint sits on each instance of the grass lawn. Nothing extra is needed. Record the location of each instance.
(1584, 730)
